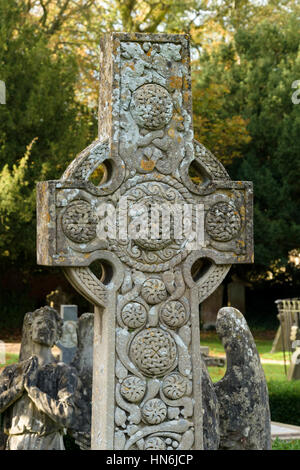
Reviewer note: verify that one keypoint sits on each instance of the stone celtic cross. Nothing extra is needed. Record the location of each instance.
(147, 374)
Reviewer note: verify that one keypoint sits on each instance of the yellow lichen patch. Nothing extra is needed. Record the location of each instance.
(147, 165)
(243, 211)
(175, 82)
(186, 97)
(171, 132)
(87, 255)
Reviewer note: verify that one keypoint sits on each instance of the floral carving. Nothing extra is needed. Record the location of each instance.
(151, 106)
(79, 222)
(134, 315)
(173, 314)
(174, 386)
(154, 443)
(154, 351)
(133, 389)
(154, 411)
(154, 291)
(223, 222)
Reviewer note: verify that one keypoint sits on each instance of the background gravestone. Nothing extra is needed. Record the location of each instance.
(147, 364)
(210, 308)
(68, 340)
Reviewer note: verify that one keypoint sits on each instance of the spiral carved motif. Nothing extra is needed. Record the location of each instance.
(153, 351)
(154, 291)
(173, 314)
(154, 411)
(133, 389)
(154, 443)
(134, 314)
(174, 386)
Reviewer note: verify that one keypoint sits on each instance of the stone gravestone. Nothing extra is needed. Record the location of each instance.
(210, 308)
(236, 295)
(68, 341)
(147, 365)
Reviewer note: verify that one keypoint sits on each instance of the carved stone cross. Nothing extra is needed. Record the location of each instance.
(147, 375)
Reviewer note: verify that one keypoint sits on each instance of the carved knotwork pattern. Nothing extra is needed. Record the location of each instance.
(223, 221)
(154, 411)
(151, 106)
(173, 314)
(153, 351)
(134, 314)
(133, 389)
(79, 222)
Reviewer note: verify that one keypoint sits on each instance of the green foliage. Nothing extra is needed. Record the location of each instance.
(257, 68)
(41, 107)
(279, 444)
(284, 401)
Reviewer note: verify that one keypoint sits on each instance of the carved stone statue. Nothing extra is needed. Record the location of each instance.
(37, 394)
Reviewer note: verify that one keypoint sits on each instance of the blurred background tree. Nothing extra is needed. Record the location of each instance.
(245, 57)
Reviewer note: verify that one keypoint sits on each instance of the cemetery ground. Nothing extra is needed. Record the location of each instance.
(283, 394)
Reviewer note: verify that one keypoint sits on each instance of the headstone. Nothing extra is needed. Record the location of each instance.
(210, 308)
(245, 422)
(236, 296)
(147, 364)
(68, 341)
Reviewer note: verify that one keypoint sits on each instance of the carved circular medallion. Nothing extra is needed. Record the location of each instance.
(154, 411)
(153, 210)
(133, 389)
(154, 291)
(174, 386)
(79, 222)
(173, 314)
(151, 106)
(223, 221)
(154, 443)
(165, 245)
(153, 351)
(134, 315)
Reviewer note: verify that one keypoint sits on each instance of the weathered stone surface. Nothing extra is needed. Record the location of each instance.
(80, 427)
(37, 394)
(210, 405)
(147, 371)
(242, 393)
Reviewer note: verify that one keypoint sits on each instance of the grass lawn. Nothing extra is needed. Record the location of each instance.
(272, 372)
(279, 444)
(10, 359)
(264, 346)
